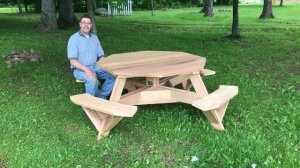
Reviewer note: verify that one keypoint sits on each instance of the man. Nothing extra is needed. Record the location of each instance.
(84, 50)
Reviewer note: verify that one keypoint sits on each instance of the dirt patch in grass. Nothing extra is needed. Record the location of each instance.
(71, 128)
(3, 163)
(64, 67)
(294, 70)
(185, 143)
(145, 150)
(168, 160)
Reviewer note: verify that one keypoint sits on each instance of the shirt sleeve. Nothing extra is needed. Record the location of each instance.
(72, 49)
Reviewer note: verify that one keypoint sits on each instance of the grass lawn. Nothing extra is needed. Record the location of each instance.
(40, 127)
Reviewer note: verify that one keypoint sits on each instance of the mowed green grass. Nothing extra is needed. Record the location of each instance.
(40, 127)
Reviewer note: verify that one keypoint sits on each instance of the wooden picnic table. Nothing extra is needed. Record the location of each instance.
(162, 71)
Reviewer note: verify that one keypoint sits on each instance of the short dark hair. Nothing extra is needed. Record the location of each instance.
(85, 16)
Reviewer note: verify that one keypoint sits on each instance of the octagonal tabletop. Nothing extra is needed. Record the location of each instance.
(152, 64)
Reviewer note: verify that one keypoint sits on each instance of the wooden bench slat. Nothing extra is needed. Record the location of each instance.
(79, 81)
(207, 72)
(217, 98)
(104, 106)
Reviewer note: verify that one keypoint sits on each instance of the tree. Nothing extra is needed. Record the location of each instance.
(90, 8)
(267, 10)
(66, 17)
(26, 5)
(235, 20)
(281, 2)
(209, 8)
(20, 7)
(48, 17)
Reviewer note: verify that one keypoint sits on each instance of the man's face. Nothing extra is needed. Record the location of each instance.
(85, 25)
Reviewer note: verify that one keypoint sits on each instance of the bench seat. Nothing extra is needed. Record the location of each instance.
(104, 114)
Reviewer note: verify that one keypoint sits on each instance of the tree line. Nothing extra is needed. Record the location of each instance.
(66, 9)
(81, 5)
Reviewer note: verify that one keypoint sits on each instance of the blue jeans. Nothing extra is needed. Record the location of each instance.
(92, 85)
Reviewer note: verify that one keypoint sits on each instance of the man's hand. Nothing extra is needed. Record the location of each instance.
(89, 74)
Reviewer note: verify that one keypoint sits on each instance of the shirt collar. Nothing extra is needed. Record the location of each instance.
(81, 34)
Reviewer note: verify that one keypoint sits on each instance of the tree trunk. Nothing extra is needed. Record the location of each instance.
(152, 10)
(90, 8)
(209, 8)
(281, 2)
(66, 16)
(20, 7)
(48, 18)
(235, 20)
(26, 6)
(267, 10)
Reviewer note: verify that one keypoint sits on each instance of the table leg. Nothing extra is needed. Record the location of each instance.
(118, 88)
(111, 121)
(154, 81)
(198, 85)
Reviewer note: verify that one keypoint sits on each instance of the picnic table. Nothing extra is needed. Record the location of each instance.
(162, 71)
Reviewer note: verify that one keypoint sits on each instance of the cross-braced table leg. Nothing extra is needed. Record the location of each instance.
(109, 121)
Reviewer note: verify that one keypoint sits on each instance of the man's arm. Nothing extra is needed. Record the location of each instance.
(89, 74)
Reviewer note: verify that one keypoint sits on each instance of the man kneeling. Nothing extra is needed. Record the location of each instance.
(84, 50)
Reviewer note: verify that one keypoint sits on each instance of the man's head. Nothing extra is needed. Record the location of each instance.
(85, 24)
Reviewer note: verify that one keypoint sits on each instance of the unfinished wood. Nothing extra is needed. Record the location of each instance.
(150, 81)
(181, 95)
(148, 95)
(99, 120)
(214, 105)
(146, 61)
(217, 98)
(163, 70)
(198, 85)
(104, 106)
(129, 86)
(139, 55)
(110, 122)
(155, 95)
(178, 79)
(96, 120)
(165, 81)
(103, 114)
(118, 88)
(221, 110)
(214, 119)
(132, 85)
(184, 79)
(139, 58)
(152, 63)
(132, 98)
(175, 68)
(79, 81)
(158, 95)
(207, 72)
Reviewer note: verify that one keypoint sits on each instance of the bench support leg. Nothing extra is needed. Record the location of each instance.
(103, 122)
(215, 116)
